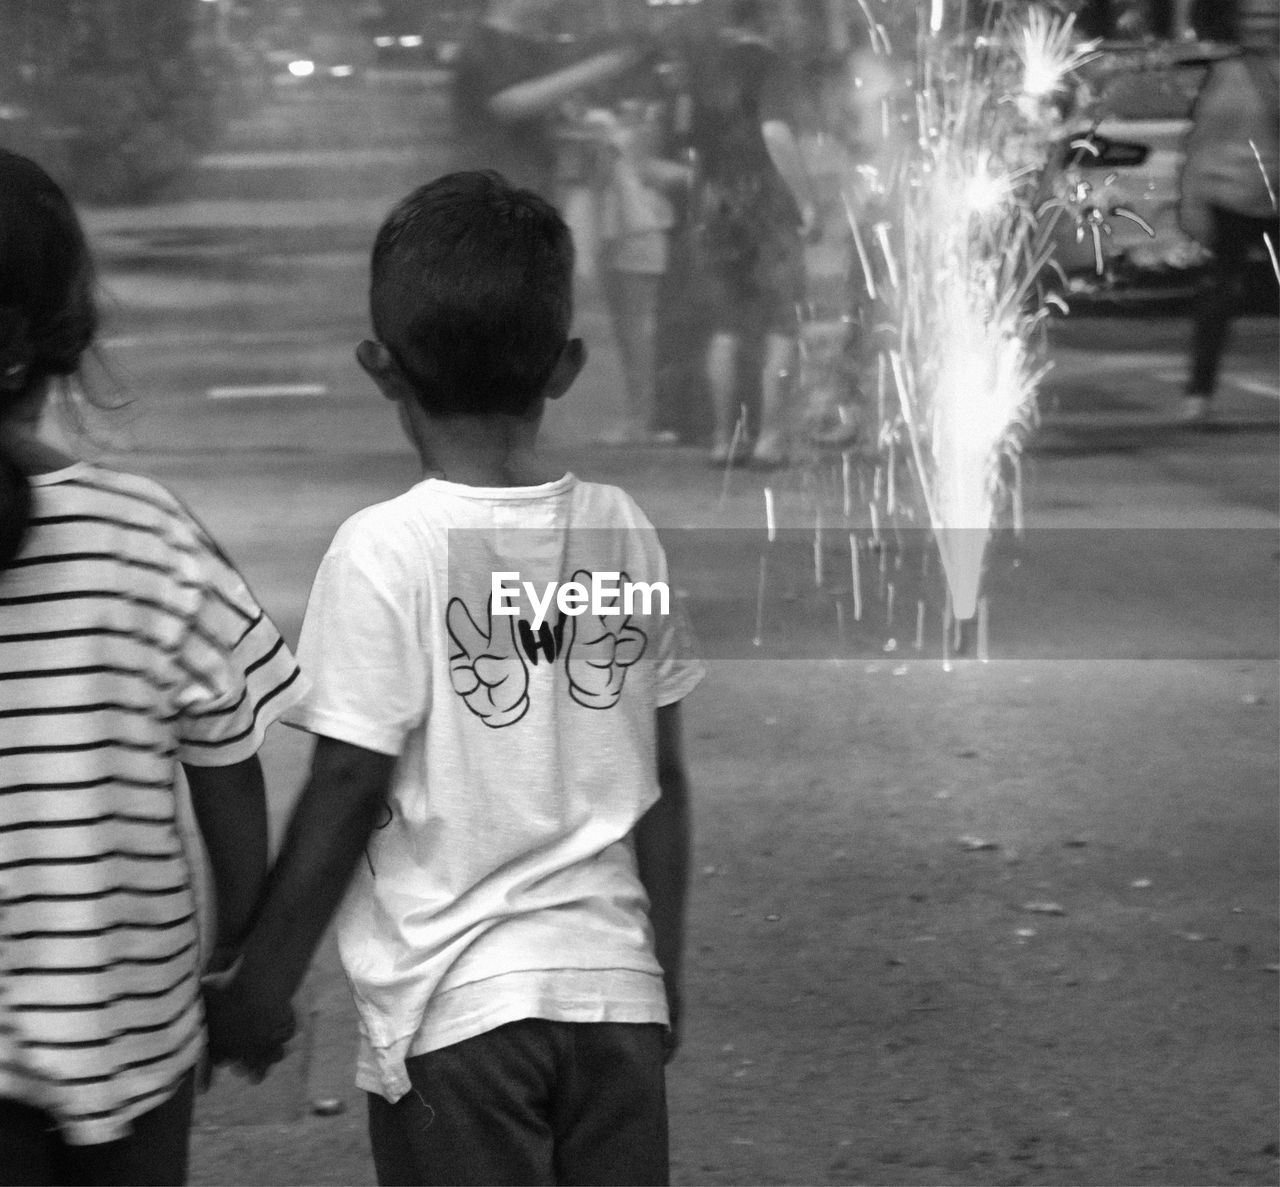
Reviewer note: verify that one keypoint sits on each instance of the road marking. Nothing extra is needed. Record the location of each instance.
(1102, 360)
(362, 215)
(216, 338)
(1254, 387)
(305, 158)
(1257, 387)
(264, 391)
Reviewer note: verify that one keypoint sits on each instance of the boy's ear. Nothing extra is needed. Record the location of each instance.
(573, 357)
(376, 362)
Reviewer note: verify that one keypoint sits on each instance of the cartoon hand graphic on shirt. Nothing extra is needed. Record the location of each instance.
(598, 653)
(486, 667)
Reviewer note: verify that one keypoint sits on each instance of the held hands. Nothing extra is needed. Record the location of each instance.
(249, 1034)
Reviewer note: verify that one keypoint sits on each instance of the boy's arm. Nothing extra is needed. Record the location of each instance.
(662, 856)
(326, 835)
(230, 806)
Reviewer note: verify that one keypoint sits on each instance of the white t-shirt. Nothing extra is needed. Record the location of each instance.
(501, 881)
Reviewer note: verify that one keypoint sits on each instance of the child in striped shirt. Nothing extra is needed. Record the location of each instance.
(128, 646)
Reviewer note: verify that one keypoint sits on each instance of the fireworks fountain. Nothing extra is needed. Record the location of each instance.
(955, 267)
(952, 226)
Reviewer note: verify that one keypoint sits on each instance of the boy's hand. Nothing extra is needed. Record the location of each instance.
(251, 1035)
(486, 668)
(599, 652)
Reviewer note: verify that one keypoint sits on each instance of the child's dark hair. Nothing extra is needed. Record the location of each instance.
(472, 293)
(48, 315)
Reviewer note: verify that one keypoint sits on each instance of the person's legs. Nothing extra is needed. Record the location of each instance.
(610, 1112)
(154, 1154)
(477, 1112)
(780, 281)
(775, 385)
(633, 303)
(32, 1150)
(722, 383)
(1216, 296)
(389, 1127)
(682, 403)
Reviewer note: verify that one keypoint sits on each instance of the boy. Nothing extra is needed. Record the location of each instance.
(499, 778)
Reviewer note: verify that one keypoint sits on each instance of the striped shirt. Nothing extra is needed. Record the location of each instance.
(128, 644)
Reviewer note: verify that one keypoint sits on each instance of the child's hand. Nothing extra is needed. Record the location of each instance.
(599, 652)
(248, 1034)
(487, 670)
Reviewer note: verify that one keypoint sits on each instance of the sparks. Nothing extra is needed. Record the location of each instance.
(1048, 52)
(959, 267)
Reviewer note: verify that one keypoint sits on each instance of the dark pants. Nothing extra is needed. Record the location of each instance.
(155, 1153)
(532, 1102)
(1215, 302)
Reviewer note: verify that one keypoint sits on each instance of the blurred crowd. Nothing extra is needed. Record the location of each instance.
(705, 156)
(695, 151)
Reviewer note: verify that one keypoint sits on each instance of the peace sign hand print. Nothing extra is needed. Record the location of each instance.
(599, 652)
(486, 667)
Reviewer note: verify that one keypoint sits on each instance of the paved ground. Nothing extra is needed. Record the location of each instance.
(1015, 923)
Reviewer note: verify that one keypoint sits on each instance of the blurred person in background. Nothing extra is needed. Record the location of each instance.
(510, 84)
(752, 207)
(638, 191)
(1229, 185)
(861, 102)
(1096, 18)
(1211, 20)
(633, 230)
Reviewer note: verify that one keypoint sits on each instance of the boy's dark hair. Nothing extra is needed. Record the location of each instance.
(48, 315)
(471, 293)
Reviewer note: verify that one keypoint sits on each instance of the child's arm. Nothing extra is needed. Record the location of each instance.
(662, 856)
(325, 838)
(230, 806)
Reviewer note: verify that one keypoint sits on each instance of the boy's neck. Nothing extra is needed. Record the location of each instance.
(486, 451)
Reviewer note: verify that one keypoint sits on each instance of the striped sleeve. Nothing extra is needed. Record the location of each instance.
(236, 674)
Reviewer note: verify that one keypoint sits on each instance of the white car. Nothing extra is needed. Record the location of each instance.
(1119, 170)
(319, 59)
